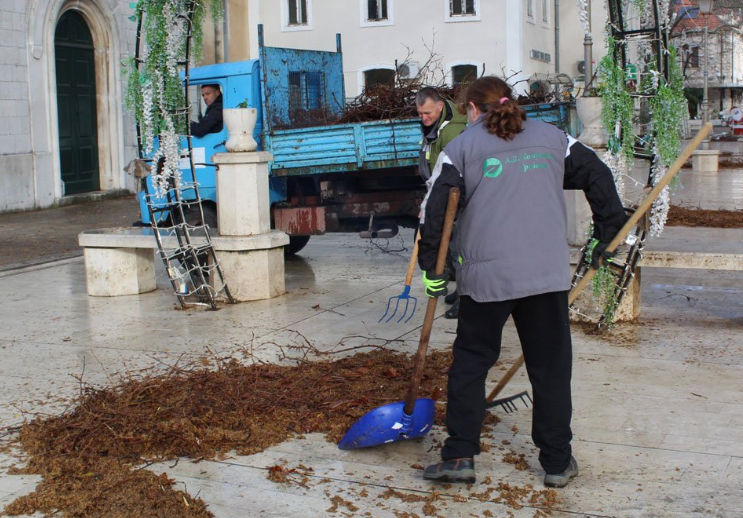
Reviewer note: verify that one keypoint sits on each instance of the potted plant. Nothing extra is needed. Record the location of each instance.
(588, 108)
(240, 122)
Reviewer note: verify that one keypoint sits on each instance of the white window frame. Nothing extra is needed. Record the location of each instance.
(530, 12)
(285, 27)
(452, 64)
(364, 15)
(361, 83)
(545, 13)
(449, 18)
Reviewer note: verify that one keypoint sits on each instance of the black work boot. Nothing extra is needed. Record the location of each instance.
(453, 311)
(454, 470)
(562, 479)
(451, 298)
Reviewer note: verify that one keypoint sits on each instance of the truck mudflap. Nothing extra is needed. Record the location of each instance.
(303, 221)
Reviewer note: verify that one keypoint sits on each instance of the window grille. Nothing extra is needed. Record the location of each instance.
(462, 7)
(297, 12)
(306, 91)
(376, 10)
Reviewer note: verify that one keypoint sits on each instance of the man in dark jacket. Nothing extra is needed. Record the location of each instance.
(211, 122)
(441, 122)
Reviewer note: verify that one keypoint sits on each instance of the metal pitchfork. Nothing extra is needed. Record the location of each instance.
(405, 295)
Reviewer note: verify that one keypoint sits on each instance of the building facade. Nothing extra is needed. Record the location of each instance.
(450, 39)
(712, 44)
(66, 131)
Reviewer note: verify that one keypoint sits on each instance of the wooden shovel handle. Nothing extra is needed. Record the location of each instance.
(420, 357)
(619, 238)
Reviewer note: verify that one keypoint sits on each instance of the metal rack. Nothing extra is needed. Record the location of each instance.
(650, 31)
(177, 214)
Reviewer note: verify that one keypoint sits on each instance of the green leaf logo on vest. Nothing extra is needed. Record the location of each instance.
(492, 168)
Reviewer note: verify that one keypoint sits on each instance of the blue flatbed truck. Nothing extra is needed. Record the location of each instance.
(324, 176)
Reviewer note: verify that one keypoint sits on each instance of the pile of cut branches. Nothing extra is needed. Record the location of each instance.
(397, 101)
(90, 457)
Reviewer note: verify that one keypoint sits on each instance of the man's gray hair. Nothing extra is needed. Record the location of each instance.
(426, 93)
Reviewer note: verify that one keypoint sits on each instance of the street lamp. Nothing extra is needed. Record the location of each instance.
(705, 6)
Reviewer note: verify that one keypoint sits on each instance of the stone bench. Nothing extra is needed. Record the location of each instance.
(629, 308)
(121, 261)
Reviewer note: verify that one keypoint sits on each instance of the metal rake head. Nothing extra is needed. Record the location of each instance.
(508, 403)
(405, 295)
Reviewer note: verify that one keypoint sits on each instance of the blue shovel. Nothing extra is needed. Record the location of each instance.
(413, 417)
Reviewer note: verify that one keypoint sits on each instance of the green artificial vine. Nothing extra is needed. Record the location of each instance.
(650, 119)
(604, 290)
(603, 286)
(617, 105)
(154, 84)
(667, 111)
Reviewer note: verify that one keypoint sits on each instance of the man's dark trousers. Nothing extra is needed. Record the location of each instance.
(543, 326)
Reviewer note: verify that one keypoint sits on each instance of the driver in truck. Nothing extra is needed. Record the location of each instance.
(211, 122)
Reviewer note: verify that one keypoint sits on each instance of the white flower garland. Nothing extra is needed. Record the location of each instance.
(583, 13)
(662, 204)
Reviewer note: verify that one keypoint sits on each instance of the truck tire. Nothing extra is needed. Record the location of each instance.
(296, 243)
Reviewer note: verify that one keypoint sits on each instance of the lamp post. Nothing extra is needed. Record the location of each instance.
(705, 6)
(588, 52)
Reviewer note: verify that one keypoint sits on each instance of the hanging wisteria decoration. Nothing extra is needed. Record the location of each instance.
(155, 88)
(664, 108)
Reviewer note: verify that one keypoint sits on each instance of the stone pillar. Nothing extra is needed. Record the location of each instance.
(629, 308)
(705, 160)
(250, 254)
(592, 135)
(111, 272)
(243, 200)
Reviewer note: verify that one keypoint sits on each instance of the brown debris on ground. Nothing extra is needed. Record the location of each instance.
(685, 217)
(88, 457)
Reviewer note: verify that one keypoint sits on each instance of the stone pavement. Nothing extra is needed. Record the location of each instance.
(658, 403)
(41, 236)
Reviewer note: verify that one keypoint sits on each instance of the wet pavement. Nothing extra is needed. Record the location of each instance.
(658, 403)
(41, 236)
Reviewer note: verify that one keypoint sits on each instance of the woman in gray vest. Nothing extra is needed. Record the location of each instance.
(514, 261)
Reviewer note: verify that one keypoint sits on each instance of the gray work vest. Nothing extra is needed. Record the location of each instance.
(512, 232)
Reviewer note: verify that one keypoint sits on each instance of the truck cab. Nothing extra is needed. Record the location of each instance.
(324, 176)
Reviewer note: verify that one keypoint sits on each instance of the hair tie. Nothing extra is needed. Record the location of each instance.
(503, 100)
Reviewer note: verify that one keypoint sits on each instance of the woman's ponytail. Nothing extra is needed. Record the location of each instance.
(492, 96)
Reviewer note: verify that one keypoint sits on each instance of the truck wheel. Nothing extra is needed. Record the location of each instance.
(296, 243)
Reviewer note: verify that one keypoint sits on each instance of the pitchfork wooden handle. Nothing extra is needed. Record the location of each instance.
(413, 260)
(420, 357)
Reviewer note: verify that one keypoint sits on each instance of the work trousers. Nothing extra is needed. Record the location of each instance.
(543, 326)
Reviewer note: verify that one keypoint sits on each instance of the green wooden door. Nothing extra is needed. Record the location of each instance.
(78, 138)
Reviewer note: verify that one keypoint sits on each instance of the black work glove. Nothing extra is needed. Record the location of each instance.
(597, 251)
(436, 284)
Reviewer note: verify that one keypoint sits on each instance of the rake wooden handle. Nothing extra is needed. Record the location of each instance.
(619, 238)
(420, 357)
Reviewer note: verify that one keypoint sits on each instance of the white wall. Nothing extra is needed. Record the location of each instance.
(497, 40)
(16, 184)
(572, 35)
(29, 150)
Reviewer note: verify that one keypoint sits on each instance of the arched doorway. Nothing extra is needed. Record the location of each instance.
(76, 104)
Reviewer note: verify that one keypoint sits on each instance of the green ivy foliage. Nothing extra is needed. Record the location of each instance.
(154, 87)
(617, 105)
(667, 110)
